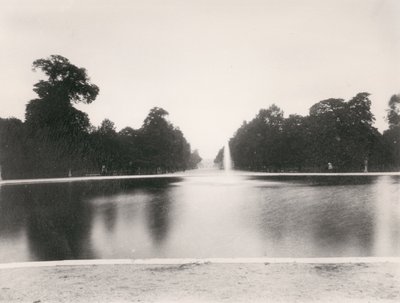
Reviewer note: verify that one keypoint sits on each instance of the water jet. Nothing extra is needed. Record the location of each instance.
(227, 158)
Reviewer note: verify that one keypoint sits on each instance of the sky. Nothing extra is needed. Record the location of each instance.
(210, 63)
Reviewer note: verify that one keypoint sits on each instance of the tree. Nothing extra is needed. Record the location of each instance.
(256, 144)
(360, 134)
(58, 133)
(13, 152)
(342, 132)
(271, 128)
(164, 148)
(335, 131)
(65, 81)
(295, 142)
(392, 135)
(393, 112)
(195, 159)
(155, 118)
(107, 128)
(331, 106)
(219, 158)
(392, 141)
(107, 146)
(130, 149)
(57, 138)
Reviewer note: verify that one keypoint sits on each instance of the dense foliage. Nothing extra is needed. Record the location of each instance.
(392, 135)
(336, 135)
(57, 139)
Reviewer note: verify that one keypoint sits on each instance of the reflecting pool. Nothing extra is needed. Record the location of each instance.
(201, 216)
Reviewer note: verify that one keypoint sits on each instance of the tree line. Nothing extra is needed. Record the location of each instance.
(56, 139)
(337, 135)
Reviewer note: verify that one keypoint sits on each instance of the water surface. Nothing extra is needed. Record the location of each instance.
(199, 216)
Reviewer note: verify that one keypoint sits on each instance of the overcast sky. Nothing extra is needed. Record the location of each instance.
(210, 64)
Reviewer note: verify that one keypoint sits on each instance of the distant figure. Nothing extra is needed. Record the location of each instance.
(365, 165)
(330, 166)
(69, 173)
(103, 170)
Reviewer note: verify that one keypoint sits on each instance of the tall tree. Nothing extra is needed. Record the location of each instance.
(392, 135)
(336, 132)
(57, 138)
(13, 152)
(393, 112)
(65, 82)
(58, 132)
(256, 145)
(195, 159)
(107, 148)
(164, 148)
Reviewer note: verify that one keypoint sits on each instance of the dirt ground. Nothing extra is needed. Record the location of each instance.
(361, 282)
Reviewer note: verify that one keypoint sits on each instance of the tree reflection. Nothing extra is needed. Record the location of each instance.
(159, 214)
(317, 221)
(59, 223)
(12, 210)
(110, 217)
(344, 226)
(387, 217)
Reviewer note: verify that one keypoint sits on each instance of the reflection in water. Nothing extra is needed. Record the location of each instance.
(110, 217)
(58, 223)
(12, 214)
(201, 216)
(13, 240)
(158, 215)
(140, 223)
(387, 217)
(307, 218)
(54, 221)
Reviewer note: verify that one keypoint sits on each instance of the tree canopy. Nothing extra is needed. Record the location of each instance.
(335, 131)
(393, 112)
(56, 138)
(392, 136)
(65, 81)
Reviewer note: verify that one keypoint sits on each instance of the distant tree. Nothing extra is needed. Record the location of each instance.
(271, 130)
(361, 137)
(13, 152)
(295, 142)
(195, 159)
(336, 132)
(393, 112)
(359, 108)
(391, 136)
(107, 128)
(219, 158)
(164, 147)
(155, 118)
(342, 132)
(130, 149)
(332, 107)
(128, 132)
(391, 139)
(256, 145)
(106, 146)
(325, 128)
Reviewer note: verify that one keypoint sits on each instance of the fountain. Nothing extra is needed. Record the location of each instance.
(227, 158)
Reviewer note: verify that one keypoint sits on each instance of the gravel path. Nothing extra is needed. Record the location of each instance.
(203, 283)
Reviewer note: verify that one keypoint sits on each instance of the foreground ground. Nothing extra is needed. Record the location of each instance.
(360, 282)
